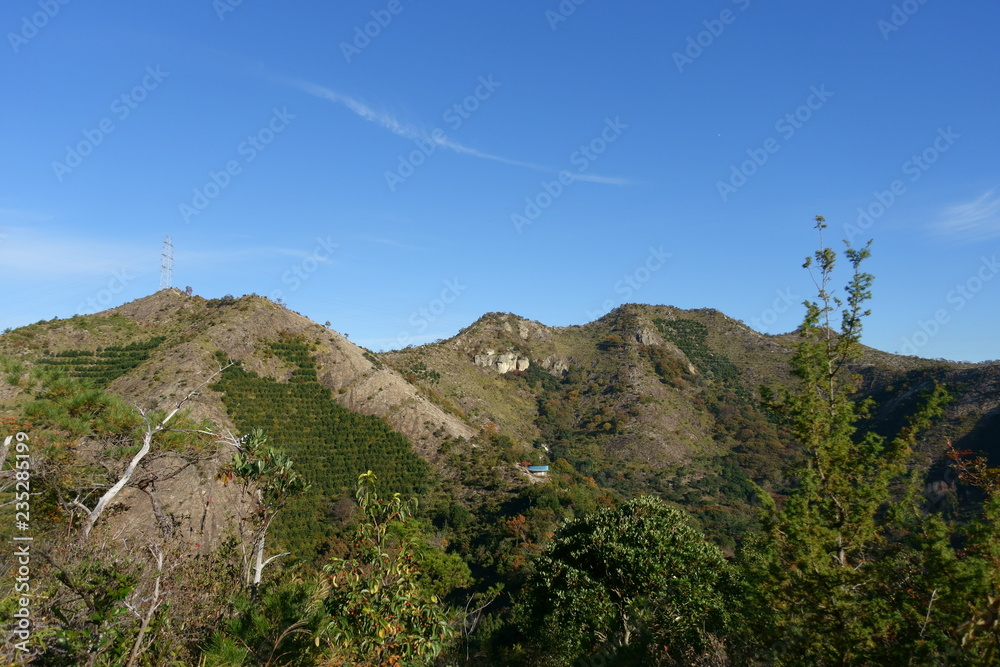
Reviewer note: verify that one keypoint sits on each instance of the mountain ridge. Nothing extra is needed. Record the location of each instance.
(633, 399)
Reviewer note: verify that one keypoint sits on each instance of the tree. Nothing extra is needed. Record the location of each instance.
(624, 582)
(379, 611)
(10, 443)
(839, 553)
(266, 474)
(108, 600)
(149, 433)
(980, 630)
(277, 627)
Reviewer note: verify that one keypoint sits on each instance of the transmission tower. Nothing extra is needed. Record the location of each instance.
(167, 264)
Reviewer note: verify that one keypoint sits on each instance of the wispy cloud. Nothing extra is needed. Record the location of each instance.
(39, 257)
(389, 122)
(465, 150)
(977, 220)
(382, 118)
(406, 130)
(215, 256)
(606, 180)
(34, 256)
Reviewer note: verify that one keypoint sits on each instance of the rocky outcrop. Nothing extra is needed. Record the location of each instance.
(556, 365)
(647, 336)
(504, 362)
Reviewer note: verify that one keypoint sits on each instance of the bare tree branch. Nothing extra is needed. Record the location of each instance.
(154, 605)
(147, 443)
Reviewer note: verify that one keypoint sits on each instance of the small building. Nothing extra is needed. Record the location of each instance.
(538, 470)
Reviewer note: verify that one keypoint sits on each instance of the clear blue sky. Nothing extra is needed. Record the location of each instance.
(551, 160)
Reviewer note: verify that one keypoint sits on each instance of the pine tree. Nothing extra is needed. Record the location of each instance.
(837, 533)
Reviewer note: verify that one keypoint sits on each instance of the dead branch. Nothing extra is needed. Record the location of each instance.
(147, 443)
(154, 605)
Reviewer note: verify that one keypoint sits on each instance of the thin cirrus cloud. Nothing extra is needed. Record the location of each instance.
(38, 257)
(976, 220)
(407, 131)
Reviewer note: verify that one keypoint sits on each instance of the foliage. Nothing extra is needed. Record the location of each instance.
(851, 562)
(980, 629)
(440, 572)
(380, 612)
(274, 483)
(418, 372)
(692, 338)
(68, 404)
(275, 628)
(846, 564)
(330, 444)
(94, 624)
(102, 366)
(634, 578)
(718, 494)
(107, 601)
(266, 469)
(111, 605)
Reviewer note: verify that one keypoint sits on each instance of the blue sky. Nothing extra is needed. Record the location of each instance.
(401, 167)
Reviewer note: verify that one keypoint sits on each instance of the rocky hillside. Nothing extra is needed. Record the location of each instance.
(195, 330)
(185, 340)
(648, 398)
(661, 385)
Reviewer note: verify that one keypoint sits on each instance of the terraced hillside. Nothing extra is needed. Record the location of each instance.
(328, 402)
(646, 399)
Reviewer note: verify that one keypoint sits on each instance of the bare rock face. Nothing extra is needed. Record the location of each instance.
(504, 362)
(197, 507)
(648, 336)
(384, 393)
(556, 365)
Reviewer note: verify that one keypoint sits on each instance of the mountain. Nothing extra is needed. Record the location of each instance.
(645, 399)
(155, 350)
(653, 386)
(196, 330)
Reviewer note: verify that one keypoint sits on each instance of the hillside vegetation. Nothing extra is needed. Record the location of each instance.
(286, 497)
